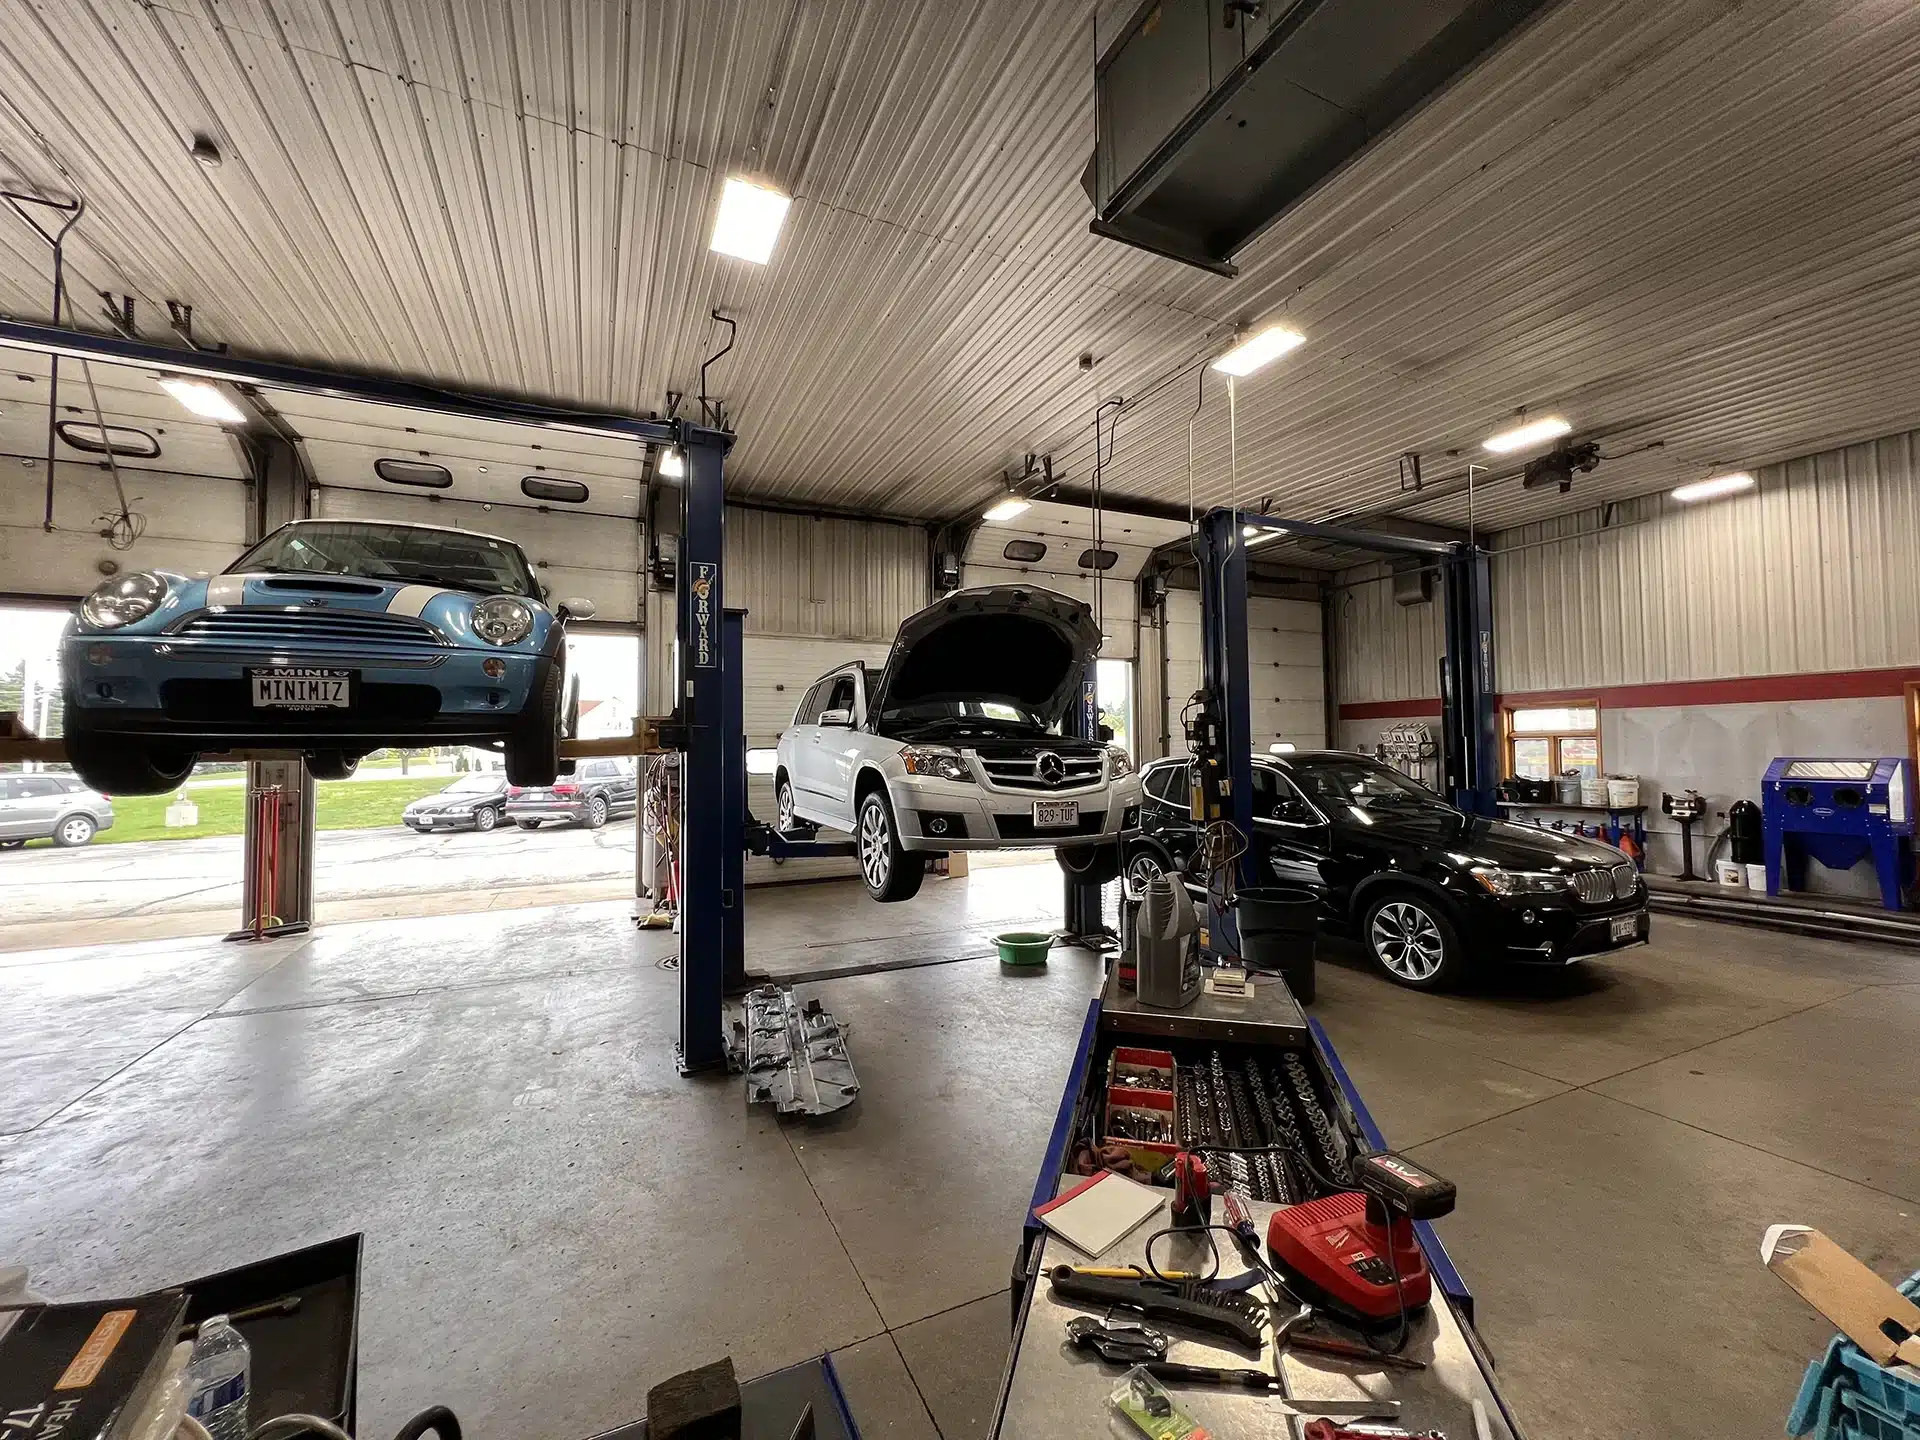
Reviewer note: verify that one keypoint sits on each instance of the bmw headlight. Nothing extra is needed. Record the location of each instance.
(1519, 882)
(502, 620)
(1119, 763)
(123, 600)
(935, 760)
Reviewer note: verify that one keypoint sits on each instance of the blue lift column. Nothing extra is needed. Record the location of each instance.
(1227, 680)
(734, 715)
(1082, 915)
(710, 917)
(1469, 743)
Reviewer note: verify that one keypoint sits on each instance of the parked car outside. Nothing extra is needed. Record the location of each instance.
(472, 802)
(597, 791)
(50, 807)
(330, 637)
(1429, 889)
(954, 744)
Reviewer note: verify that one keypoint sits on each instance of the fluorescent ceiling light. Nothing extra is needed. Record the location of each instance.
(1256, 350)
(1709, 489)
(1259, 534)
(1008, 508)
(204, 399)
(750, 220)
(1534, 432)
(672, 467)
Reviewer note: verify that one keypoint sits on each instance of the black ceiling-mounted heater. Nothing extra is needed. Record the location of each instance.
(1214, 117)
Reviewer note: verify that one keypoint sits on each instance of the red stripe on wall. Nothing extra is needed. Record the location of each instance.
(1390, 709)
(1738, 690)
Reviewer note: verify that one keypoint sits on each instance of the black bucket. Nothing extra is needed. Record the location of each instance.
(1279, 929)
(1278, 910)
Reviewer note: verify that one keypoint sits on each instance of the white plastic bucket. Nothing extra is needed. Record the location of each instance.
(1730, 872)
(1566, 789)
(1623, 791)
(1593, 790)
(1757, 878)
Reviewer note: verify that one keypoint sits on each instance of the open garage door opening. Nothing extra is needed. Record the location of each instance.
(439, 830)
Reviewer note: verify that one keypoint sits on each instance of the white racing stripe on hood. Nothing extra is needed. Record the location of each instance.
(226, 589)
(412, 600)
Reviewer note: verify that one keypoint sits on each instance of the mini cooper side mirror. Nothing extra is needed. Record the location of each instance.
(577, 608)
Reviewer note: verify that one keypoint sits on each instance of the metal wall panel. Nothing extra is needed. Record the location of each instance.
(1384, 650)
(1812, 570)
(816, 576)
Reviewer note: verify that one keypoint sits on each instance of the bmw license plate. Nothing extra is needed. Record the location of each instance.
(1626, 927)
(1056, 814)
(296, 688)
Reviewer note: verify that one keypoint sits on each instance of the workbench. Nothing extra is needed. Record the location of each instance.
(1051, 1392)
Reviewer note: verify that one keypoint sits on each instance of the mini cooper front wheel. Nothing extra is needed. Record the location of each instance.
(117, 766)
(891, 873)
(332, 764)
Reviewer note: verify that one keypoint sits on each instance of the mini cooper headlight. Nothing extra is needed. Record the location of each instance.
(1119, 763)
(935, 760)
(123, 600)
(1519, 882)
(502, 620)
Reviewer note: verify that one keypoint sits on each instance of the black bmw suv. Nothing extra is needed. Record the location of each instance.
(1429, 889)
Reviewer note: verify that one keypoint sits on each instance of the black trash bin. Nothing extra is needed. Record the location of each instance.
(1279, 930)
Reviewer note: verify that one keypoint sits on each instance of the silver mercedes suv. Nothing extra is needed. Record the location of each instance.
(954, 744)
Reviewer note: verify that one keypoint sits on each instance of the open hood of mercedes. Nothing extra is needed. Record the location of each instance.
(1012, 644)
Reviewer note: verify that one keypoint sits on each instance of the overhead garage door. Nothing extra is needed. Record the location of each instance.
(779, 671)
(1284, 668)
(596, 557)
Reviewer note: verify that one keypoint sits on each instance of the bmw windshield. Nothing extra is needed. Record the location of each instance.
(414, 554)
(1345, 780)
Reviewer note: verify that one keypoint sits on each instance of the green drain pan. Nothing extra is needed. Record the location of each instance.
(1023, 947)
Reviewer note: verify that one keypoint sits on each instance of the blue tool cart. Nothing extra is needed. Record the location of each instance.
(1839, 812)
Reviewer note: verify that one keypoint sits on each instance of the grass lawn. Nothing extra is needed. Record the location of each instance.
(338, 805)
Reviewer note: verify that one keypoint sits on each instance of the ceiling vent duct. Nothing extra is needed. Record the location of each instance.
(1214, 117)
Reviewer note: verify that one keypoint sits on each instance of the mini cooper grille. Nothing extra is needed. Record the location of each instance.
(303, 625)
(1596, 887)
(1045, 771)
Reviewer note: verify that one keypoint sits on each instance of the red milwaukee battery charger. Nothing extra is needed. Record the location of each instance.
(1337, 1247)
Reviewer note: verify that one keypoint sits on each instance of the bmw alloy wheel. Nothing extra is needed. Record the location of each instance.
(1142, 871)
(1406, 941)
(875, 841)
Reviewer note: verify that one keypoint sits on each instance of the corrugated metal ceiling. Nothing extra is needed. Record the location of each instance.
(1688, 224)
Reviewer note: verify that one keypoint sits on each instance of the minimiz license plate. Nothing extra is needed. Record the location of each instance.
(1056, 814)
(294, 688)
(1626, 927)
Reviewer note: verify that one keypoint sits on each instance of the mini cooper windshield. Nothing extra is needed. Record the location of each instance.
(457, 561)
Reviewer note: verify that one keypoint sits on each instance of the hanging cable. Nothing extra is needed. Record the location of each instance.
(73, 209)
(126, 527)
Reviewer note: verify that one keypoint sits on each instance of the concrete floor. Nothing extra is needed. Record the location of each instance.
(555, 1220)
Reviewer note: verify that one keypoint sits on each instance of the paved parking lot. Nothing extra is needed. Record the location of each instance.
(173, 876)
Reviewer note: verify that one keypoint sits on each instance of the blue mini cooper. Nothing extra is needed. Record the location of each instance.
(330, 637)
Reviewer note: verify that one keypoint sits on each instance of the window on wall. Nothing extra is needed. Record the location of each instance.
(1547, 740)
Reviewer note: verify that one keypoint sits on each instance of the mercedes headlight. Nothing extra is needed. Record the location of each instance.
(1519, 882)
(935, 760)
(502, 620)
(123, 600)
(1119, 763)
